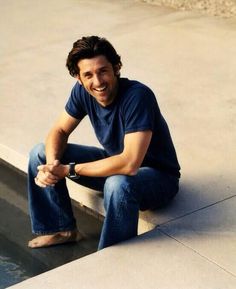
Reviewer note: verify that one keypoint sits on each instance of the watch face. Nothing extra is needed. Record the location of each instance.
(72, 169)
(72, 174)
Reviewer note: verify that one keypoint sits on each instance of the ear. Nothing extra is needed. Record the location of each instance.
(117, 69)
(78, 78)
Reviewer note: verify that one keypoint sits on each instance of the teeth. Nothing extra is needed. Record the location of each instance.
(100, 89)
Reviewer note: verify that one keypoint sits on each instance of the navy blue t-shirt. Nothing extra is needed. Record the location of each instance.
(134, 109)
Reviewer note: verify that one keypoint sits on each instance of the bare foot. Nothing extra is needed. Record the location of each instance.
(55, 239)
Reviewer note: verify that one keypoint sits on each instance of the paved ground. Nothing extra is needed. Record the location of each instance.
(189, 61)
(222, 8)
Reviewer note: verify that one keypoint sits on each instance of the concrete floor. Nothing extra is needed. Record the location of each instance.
(189, 61)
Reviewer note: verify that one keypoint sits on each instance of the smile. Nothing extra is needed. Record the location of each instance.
(100, 89)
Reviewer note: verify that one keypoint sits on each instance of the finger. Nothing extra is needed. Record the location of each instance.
(56, 163)
(39, 183)
(45, 168)
(42, 168)
(44, 184)
(46, 179)
(51, 177)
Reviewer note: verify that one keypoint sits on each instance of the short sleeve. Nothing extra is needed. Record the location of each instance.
(139, 109)
(75, 104)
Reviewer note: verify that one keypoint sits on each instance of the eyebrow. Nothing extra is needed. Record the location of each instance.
(100, 68)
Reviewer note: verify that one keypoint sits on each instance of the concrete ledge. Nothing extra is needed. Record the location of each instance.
(13, 158)
(90, 200)
(152, 260)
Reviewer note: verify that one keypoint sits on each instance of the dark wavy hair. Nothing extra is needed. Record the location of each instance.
(89, 47)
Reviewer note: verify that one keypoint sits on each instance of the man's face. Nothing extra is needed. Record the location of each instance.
(99, 78)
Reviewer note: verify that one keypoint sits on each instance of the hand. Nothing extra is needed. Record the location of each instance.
(44, 179)
(50, 174)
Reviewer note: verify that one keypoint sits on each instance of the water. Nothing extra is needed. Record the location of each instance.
(17, 261)
(15, 264)
(11, 272)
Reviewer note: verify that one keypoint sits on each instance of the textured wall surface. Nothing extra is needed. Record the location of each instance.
(223, 8)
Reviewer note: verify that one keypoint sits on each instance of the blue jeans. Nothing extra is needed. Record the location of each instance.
(50, 207)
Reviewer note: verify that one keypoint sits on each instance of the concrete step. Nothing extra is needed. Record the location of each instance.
(90, 200)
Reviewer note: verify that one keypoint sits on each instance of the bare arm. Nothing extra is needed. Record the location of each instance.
(55, 146)
(126, 163)
(58, 136)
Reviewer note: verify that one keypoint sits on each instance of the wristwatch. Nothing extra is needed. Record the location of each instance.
(72, 173)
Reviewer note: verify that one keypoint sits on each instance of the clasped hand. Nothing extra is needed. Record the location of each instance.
(50, 174)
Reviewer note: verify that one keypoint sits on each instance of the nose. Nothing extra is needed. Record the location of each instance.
(97, 81)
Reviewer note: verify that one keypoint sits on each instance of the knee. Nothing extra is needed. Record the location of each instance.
(37, 154)
(118, 188)
(116, 183)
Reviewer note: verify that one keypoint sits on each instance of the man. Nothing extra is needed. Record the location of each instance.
(137, 168)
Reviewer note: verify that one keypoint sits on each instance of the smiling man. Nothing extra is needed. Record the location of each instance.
(136, 168)
(98, 77)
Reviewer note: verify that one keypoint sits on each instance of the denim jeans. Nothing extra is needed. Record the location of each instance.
(50, 207)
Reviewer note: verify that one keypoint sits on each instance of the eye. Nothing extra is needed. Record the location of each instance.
(103, 71)
(88, 75)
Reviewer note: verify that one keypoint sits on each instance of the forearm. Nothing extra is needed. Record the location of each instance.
(51, 172)
(115, 165)
(56, 142)
(125, 163)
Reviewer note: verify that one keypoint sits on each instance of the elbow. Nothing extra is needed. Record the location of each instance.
(130, 165)
(131, 169)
